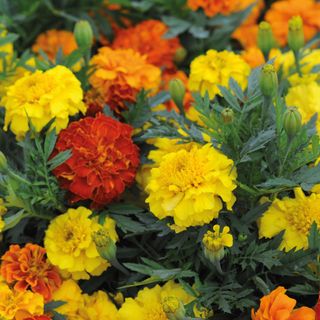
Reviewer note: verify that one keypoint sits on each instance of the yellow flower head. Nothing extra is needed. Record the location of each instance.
(306, 98)
(215, 242)
(70, 246)
(151, 304)
(19, 305)
(190, 185)
(42, 96)
(295, 216)
(216, 68)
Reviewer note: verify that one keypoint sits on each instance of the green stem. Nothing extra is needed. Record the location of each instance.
(218, 267)
(285, 157)
(297, 62)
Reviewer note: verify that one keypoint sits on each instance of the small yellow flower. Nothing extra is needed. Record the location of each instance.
(292, 215)
(215, 242)
(70, 246)
(191, 184)
(41, 97)
(216, 68)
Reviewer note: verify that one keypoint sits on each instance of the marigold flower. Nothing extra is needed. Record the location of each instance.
(104, 159)
(52, 40)
(190, 185)
(253, 57)
(216, 68)
(15, 305)
(43, 317)
(120, 74)
(295, 216)
(148, 38)
(215, 242)
(149, 302)
(70, 245)
(278, 306)
(40, 97)
(306, 98)
(28, 268)
(213, 7)
(282, 11)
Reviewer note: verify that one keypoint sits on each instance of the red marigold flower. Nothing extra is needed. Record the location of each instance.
(29, 268)
(104, 159)
(148, 38)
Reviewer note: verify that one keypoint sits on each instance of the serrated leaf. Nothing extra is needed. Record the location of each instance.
(59, 159)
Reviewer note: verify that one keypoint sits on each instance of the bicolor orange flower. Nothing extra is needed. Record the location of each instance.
(282, 11)
(213, 7)
(52, 40)
(28, 268)
(148, 38)
(104, 159)
(120, 74)
(278, 306)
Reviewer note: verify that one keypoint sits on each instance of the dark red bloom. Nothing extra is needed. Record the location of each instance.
(104, 159)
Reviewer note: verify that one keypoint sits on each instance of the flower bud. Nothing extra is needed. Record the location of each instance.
(227, 115)
(295, 35)
(266, 40)
(3, 162)
(292, 122)
(83, 34)
(173, 308)
(104, 244)
(242, 237)
(268, 80)
(180, 55)
(177, 92)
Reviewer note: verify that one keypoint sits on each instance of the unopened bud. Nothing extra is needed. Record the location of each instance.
(104, 244)
(83, 34)
(180, 55)
(227, 115)
(177, 91)
(266, 40)
(295, 35)
(3, 162)
(292, 122)
(268, 80)
(173, 308)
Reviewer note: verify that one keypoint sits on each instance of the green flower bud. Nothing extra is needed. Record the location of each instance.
(3, 162)
(105, 245)
(242, 237)
(292, 122)
(266, 40)
(173, 308)
(180, 55)
(268, 80)
(227, 115)
(177, 92)
(83, 34)
(295, 35)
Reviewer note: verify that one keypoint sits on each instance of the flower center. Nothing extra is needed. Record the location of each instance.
(156, 314)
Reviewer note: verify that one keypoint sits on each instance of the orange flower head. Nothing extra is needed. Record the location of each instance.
(148, 38)
(177, 74)
(120, 74)
(104, 159)
(52, 40)
(253, 56)
(213, 7)
(282, 11)
(28, 268)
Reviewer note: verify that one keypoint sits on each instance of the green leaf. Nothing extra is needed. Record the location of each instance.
(59, 159)
(314, 237)
(49, 143)
(176, 26)
(230, 98)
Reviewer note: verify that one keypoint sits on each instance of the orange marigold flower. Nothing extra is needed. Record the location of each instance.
(104, 159)
(281, 12)
(213, 7)
(120, 74)
(176, 74)
(253, 56)
(52, 40)
(43, 317)
(148, 38)
(278, 306)
(28, 268)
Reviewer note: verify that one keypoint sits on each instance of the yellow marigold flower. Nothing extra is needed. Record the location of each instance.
(70, 246)
(190, 185)
(295, 216)
(52, 40)
(306, 98)
(148, 305)
(19, 305)
(215, 242)
(216, 68)
(120, 74)
(42, 96)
